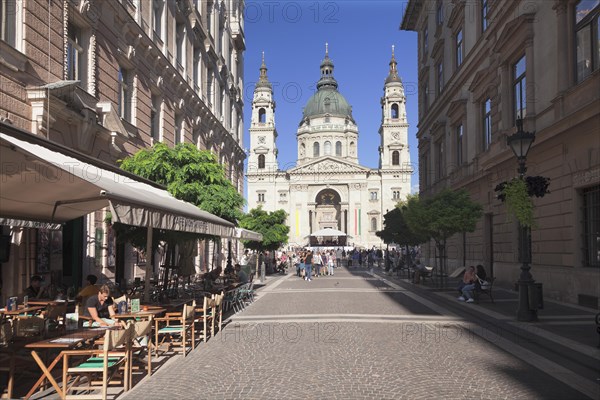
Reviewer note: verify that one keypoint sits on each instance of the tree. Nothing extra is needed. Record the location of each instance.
(270, 224)
(189, 174)
(396, 230)
(441, 216)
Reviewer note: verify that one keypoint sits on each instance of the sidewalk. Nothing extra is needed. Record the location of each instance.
(565, 333)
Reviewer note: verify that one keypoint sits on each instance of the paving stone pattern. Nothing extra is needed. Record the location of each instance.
(346, 360)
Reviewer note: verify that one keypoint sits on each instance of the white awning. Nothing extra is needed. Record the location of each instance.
(46, 182)
(328, 232)
(246, 234)
(29, 224)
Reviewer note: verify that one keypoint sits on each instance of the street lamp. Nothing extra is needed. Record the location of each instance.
(520, 143)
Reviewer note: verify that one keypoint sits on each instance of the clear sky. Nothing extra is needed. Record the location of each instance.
(360, 35)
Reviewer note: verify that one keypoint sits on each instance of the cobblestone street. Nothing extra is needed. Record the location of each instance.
(351, 335)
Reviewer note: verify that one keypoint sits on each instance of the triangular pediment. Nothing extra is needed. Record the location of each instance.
(328, 165)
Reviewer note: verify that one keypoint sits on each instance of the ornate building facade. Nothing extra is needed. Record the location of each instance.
(482, 65)
(328, 188)
(108, 78)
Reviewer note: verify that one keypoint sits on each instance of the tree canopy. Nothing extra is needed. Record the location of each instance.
(396, 230)
(272, 226)
(189, 174)
(442, 215)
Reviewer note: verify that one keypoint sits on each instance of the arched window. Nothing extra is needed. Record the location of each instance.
(262, 115)
(373, 224)
(338, 148)
(395, 157)
(394, 111)
(352, 149)
(316, 150)
(302, 150)
(261, 161)
(327, 148)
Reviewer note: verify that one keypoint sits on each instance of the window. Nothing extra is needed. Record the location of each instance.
(440, 77)
(180, 45)
(74, 53)
(394, 111)
(373, 224)
(487, 124)
(425, 96)
(209, 19)
(197, 70)
(158, 9)
(262, 116)
(425, 40)
(439, 13)
(587, 20)
(395, 157)
(155, 118)
(261, 161)
(316, 149)
(338, 148)
(424, 168)
(179, 133)
(440, 160)
(373, 195)
(8, 23)
(327, 148)
(124, 95)
(591, 226)
(519, 89)
(210, 79)
(484, 15)
(261, 197)
(396, 195)
(459, 145)
(302, 150)
(459, 48)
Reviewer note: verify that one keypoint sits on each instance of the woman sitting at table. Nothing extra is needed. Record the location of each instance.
(100, 309)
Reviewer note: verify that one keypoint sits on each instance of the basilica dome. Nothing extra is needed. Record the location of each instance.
(327, 101)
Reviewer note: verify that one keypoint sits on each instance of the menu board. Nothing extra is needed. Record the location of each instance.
(135, 305)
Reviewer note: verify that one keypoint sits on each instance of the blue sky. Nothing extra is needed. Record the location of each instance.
(360, 35)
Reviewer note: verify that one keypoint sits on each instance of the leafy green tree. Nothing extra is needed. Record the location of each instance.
(270, 224)
(396, 230)
(189, 174)
(441, 216)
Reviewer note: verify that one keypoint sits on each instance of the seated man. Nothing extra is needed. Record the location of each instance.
(35, 289)
(242, 277)
(210, 278)
(99, 308)
(90, 289)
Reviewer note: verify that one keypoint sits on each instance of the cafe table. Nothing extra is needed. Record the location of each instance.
(76, 338)
(21, 310)
(142, 314)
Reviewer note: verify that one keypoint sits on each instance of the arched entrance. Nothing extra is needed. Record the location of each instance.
(328, 210)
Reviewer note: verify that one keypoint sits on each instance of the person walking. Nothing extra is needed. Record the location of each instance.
(308, 266)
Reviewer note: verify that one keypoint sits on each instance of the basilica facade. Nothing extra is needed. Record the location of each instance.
(328, 188)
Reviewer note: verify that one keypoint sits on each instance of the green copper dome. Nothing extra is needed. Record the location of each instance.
(327, 100)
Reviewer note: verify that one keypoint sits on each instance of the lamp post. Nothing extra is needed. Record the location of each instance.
(520, 143)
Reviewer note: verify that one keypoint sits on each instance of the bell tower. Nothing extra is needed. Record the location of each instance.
(263, 149)
(393, 150)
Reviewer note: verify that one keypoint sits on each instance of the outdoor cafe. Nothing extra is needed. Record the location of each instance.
(46, 187)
